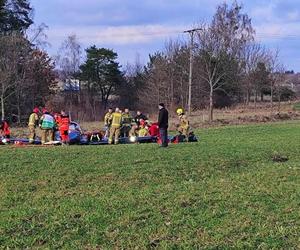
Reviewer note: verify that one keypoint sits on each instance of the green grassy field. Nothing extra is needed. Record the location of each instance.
(221, 193)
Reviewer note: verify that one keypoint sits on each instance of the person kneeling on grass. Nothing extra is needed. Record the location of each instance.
(184, 125)
(5, 130)
(143, 131)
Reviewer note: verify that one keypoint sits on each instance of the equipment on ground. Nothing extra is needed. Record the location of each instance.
(77, 137)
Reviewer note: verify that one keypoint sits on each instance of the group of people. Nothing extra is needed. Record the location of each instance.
(117, 124)
(122, 124)
(49, 124)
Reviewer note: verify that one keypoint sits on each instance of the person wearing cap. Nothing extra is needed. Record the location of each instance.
(32, 124)
(47, 124)
(163, 124)
(184, 124)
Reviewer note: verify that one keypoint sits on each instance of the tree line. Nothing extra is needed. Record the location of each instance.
(229, 67)
(26, 71)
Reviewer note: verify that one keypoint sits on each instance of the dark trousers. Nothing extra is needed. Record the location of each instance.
(164, 136)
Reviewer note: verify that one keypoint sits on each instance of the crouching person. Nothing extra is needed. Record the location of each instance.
(5, 130)
(115, 127)
(47, 124)
(64, 125)
(184, 125)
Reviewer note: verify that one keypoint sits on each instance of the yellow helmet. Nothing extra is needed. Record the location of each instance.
(179, 111)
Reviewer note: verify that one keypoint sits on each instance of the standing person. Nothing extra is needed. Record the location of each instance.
(107, 122)
(115, 127)
(126, 121)
(47, 125)
(64, 124)
(32, 124)
(163, 124)
(184, 124)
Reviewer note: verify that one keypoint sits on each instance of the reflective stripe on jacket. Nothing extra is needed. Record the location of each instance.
(116, 120)
(33, 119)
(184, 122)
(47, 121)
(127, 119)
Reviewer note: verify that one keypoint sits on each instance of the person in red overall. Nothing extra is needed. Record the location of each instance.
(64, 123)
(4, 129)
(154, 130)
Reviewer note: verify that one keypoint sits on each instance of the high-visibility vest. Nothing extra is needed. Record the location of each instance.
(116, 120)
(47, 121)
(33, 119)
(143, 132)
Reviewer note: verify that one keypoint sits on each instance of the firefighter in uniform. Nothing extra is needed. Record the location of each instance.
(184, 125)
(32, 124)
(107, 122)
(64, 124)
(126, 123)
(115, 127)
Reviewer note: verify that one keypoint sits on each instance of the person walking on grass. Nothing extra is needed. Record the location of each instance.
(163, 124)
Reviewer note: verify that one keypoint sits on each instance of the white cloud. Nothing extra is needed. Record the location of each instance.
(115, 35)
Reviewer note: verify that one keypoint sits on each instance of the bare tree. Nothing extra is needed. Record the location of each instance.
(220, 47)
(13, 50)
(68, 60)
(69, 57)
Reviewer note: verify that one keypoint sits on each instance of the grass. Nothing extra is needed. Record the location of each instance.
(221, 193)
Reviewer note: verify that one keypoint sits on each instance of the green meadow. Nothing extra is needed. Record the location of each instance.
(237, 188)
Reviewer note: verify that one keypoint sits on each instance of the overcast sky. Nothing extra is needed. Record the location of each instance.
(141, 27)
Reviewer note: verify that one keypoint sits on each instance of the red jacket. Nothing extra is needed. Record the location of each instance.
(154, 130)
(5, 128)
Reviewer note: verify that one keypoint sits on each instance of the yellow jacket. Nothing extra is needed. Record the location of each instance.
(33, 119)
(143, 132)
(108, 119)
(116, 120)
(184, 122)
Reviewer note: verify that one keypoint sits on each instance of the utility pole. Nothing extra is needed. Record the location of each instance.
(191, 33)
